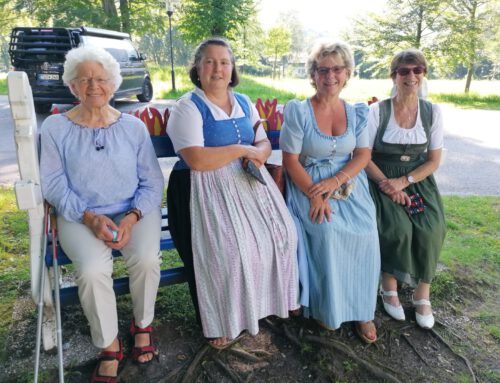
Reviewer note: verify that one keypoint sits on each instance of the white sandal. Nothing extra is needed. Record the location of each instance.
(395, 312)
(424, 321)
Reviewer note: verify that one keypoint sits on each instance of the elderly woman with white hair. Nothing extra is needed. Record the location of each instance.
(325, 149)
(100, 171)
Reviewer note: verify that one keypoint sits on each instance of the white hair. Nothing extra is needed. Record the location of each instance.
(77, 56)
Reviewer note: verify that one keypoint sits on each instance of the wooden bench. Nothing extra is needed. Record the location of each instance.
(29, 197)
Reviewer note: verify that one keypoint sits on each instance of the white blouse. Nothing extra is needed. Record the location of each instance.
(185, 124)
(394, 134)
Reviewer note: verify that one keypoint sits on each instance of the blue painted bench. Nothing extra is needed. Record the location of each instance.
(69, 295)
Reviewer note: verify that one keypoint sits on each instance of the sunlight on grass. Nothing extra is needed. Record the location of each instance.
(3, 83)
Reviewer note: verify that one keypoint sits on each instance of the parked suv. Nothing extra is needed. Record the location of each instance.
(40, 52)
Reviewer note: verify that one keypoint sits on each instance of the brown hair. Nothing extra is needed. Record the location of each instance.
(198, 55)
(411, 56)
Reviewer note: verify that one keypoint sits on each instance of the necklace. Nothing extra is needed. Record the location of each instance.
(406, 117)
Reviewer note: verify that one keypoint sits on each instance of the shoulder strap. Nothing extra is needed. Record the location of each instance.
(426, 116)
(384, 116)
(240, 99)
(384, 112)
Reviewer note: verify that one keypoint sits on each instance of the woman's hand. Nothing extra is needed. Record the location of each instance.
(257, 155)
(100, 225)
(319, 209)
(124, 232)
(325, 188)
(392, 185)
(401, 198)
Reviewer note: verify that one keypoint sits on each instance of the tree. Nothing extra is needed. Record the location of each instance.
(200, 19)
(467, 23)
(248, 42)
(405, 24)
(278, 43)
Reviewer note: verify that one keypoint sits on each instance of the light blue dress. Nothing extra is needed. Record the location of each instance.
(339, 261)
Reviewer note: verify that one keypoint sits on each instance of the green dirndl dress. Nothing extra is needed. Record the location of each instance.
(409, 244)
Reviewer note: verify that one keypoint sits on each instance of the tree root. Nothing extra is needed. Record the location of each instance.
(338, 346)
(346, 350)
(245, 355)
(233, 375)
(188, 376)
(290, 336)
(465, 360)
(410, 343)
(262, 352)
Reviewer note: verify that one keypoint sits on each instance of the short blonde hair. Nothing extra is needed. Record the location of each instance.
(77, 56)
(325, 49)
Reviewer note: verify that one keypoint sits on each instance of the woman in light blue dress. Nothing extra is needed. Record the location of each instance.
(325, 149)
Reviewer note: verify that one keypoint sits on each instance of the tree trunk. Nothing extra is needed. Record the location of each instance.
(274, 63)
(111, 13)
(472, 52)
(125, 15)
(418, 36)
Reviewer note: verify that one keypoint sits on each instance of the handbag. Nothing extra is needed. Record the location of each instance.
(276, 171)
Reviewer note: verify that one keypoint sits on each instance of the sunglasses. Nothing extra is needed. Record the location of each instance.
(323, 71)
(406, 71)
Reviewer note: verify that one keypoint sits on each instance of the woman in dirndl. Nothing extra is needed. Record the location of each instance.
(406, 137)
(234, 234)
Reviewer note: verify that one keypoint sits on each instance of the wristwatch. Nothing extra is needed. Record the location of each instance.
(136, 212)
(410, 179)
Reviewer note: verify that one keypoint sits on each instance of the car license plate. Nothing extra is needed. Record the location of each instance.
(46, 76)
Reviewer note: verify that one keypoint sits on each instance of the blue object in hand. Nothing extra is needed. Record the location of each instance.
(115, 235)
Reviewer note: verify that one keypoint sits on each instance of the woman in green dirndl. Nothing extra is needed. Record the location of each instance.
(406, 137)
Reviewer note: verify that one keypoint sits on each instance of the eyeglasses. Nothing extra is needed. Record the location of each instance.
(406, 71)
(337, 69)
(87, 80)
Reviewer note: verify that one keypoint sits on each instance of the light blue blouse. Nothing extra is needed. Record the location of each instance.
(301, 135)
(105, 170)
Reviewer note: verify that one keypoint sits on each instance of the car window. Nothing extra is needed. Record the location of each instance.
(121, 50)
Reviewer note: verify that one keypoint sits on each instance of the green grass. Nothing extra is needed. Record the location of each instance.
(468, 101)
(484, 94)
(14, 259)
(3, 83)
(471, 253)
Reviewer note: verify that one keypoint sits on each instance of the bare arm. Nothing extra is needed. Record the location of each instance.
(210, 158)
(419, 174)
(319, 207)
(360, 158)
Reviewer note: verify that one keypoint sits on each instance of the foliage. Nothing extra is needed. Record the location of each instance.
(248, 42)
(277, 44)
(405, 24)
(465, 23)
(200, 19)
(3, 84)
(451, 34)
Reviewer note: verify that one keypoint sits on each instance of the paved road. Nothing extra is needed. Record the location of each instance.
(471, 165)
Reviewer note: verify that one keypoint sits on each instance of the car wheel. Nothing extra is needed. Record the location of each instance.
(147, 91)
(42, 108)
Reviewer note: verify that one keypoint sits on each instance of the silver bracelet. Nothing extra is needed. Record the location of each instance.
(344, 173)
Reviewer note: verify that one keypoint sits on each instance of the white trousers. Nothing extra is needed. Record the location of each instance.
(94, 266)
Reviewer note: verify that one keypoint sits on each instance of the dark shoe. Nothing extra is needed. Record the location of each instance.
(149, 349)
(107, 356)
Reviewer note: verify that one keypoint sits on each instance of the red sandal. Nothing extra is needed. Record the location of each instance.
(138, 351)
(107, 356)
